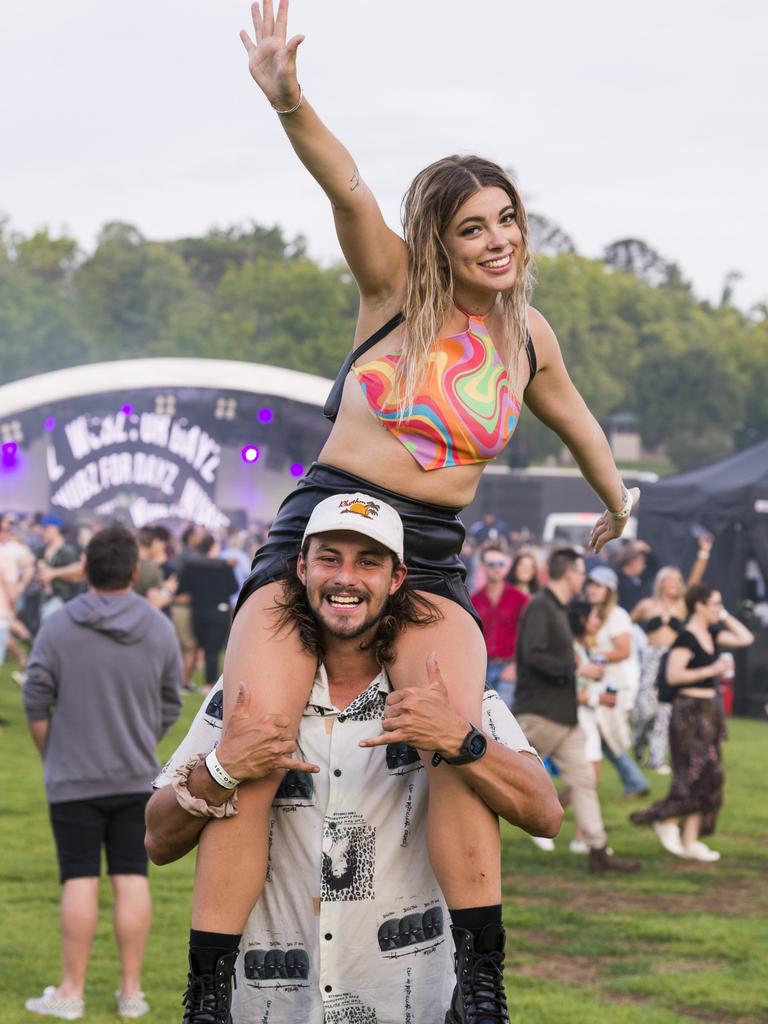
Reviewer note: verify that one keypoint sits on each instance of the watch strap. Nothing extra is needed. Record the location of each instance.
(465, 755)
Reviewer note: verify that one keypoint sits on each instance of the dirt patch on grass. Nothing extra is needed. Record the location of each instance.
(571, 970)
(598, 896)
(597, 972)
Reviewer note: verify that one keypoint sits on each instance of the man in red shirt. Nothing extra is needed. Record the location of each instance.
(499, 606)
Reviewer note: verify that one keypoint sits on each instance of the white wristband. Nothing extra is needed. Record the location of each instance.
(626, 509)
(219, 774)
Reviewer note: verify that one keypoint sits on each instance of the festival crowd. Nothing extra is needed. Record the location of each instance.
(588, 652)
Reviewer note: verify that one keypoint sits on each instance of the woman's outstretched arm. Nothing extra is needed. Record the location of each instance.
(552, 397)
(375, 254)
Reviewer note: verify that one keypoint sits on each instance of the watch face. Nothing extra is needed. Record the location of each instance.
(477, 745)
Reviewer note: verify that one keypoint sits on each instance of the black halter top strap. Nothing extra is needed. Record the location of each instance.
(333, 401)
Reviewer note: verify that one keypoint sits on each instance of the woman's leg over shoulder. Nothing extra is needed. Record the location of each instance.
(232, 855)
(466, 860)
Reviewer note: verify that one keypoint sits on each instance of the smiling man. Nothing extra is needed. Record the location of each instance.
(351, 925)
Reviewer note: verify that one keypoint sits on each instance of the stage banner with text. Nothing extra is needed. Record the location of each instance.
(137, 458)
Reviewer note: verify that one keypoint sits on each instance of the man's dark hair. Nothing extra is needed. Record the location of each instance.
(561, 560)
(493, 546)
(628, 554)
(148, 534)
(206, 544)
(699, 593)
(402, 609)
(187, 534)
(110, 558)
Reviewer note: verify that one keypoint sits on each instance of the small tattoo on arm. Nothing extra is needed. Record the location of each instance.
(354, 181)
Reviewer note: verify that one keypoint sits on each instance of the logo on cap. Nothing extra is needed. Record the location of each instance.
(367, 509)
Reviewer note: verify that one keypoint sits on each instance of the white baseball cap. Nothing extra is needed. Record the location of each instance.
(359, 513)
(605, 576)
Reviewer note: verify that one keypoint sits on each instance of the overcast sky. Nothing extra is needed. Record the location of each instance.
(643, 120)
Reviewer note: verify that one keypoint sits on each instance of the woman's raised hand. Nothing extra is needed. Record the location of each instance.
(272, 60)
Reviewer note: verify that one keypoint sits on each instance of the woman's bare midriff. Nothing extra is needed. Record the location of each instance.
(664, 636)
(359, 444)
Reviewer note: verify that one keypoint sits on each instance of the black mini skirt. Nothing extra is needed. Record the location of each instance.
(434, 536)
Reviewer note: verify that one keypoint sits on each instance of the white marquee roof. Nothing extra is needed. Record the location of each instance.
(132, 374)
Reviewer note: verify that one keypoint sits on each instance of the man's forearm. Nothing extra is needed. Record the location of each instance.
(515, 786)
(39, 732)
(72, 572)
(171, 832)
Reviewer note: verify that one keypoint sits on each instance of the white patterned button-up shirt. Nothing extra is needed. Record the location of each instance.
(351, 927)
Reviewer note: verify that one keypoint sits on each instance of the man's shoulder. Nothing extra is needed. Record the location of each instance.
(159, 623)
(540, 601)
(66, 554)
(515, 595)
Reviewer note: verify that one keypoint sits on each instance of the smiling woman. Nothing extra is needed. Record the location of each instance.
(443, 323)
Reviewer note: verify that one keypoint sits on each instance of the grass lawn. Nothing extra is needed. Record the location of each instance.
(679, 942)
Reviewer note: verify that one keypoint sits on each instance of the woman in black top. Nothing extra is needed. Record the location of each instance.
(696, 729)
(661, 616)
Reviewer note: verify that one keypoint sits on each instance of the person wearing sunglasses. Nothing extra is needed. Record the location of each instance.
(499, 606)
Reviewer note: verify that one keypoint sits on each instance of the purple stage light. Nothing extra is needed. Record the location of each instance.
(264, 415)
(50, 423)
(127, 408)
(250, 453)
(9, 454)
(297, 469)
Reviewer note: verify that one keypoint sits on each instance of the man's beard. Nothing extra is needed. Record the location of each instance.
(340, 629)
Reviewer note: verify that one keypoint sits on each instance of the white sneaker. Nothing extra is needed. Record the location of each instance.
(669, 837)
(578, 846)
(544, 843)
(700, 851)
(49, 1004)
(663, 769)
(130, 1007)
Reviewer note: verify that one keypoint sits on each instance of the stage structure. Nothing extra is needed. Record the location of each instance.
(205, 440)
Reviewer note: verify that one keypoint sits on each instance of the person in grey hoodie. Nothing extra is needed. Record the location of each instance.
(103, 685)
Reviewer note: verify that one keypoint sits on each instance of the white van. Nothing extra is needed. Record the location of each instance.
(574, 528)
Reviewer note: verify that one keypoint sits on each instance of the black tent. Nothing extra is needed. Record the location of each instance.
(729, 499)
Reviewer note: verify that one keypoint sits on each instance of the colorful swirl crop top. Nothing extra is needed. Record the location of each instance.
(465, 412)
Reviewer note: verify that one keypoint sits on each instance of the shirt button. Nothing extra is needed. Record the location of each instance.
(337, 772)
(328, 936)
(328, 988)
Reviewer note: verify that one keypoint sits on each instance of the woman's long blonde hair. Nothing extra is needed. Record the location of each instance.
(431, 202)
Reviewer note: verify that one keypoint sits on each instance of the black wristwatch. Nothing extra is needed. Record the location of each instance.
(472, 748)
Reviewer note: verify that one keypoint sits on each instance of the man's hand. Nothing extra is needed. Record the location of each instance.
(591, 670)
(422, 717)
(254, 746)
(509, 673)
(608, 700)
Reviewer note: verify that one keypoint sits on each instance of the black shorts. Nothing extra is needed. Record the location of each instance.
(80, 827)
(434, 536)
